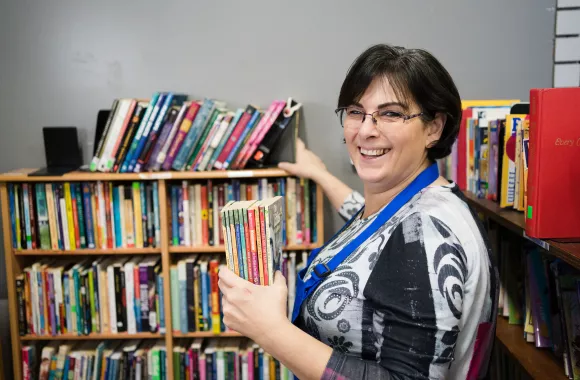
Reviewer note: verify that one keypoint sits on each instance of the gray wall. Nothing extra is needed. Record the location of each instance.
(62, 61)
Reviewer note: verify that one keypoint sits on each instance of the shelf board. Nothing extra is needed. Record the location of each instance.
(221, 248)
(514, 221)
(92, 336)
(81, 252)
(21, 175)
(540, 363)
(207, 334)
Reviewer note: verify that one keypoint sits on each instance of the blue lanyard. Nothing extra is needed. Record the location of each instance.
(320, 271)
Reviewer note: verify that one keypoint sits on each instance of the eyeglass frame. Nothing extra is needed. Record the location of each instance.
(404, 117)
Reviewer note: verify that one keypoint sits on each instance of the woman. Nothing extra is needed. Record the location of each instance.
(407, 289)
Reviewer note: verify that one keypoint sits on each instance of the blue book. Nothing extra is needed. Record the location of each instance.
(149, 138)
(225, 138)
(161, 304)
(131, 151)
(192, 135)
(156, 217)
(88, 210)
(136, 153)
(233, 153)
(117, 217)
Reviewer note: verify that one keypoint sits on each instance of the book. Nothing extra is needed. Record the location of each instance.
(254, 242)
(553, 178)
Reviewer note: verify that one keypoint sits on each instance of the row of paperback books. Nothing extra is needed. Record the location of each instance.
(92, 360)
(224, 359)
(172, 132)
(79, 215)
(114, 295)
(523, 155)
(108, 215)
(493, 147)
(203, 359)
(195, 296)
(192, 202)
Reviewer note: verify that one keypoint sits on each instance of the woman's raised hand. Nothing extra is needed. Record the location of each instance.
(307, 165)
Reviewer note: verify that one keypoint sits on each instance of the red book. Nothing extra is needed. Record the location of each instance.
(553, 183)
(462, 150)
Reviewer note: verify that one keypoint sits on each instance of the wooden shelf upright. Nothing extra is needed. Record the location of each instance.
(16, 259)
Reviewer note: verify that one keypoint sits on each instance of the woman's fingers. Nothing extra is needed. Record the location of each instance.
(229, 278)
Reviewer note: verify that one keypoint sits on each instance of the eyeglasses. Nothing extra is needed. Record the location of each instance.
(353, 117)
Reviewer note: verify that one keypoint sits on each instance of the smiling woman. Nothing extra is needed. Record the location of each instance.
(407, 288)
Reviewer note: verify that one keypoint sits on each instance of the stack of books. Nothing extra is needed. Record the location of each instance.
(253, 238)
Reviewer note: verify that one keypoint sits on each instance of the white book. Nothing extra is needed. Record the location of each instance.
(129, 273)
(112, 304)
(64, 220)
(114, 135)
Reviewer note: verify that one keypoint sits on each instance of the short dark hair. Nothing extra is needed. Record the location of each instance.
(416, 76)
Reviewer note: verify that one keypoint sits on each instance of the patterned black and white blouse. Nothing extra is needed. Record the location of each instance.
(415, 301)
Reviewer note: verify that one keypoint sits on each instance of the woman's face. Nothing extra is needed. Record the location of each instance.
(387, 153)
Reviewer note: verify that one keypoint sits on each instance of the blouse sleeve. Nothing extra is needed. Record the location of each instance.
(415, 295)
(353, 202)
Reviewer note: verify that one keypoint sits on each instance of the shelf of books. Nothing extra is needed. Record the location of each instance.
(531, 215)
(108, 271)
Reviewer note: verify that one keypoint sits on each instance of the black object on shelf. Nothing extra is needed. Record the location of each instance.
(62, 151)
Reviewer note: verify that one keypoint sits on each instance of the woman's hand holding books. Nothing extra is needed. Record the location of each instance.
(253, 310)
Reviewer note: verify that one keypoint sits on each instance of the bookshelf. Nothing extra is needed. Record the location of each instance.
(538, 363)
(17, 259)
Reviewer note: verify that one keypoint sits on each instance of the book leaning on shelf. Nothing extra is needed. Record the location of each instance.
(253, 235)
(172, 132)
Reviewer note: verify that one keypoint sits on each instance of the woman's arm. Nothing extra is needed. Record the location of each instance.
(308, 165)
(259, 312)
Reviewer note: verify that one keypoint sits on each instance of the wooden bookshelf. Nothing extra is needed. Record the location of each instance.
(17, 259)
(207, 334)
(514, 221)
(221, 248)
(99, 252)
(21, 175)
(539, 363)
(92, 336)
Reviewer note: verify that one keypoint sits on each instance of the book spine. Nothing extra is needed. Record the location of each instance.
(191, 138)
(144, 297)
(534, 163)
(101, 142)
(136, 140)
(223, 141)
(130, 133)
(144, 138)
(163, 118)
(265, 118)
(182, 133)
(233, 138)
(127, 116)
(243, 140)
(260, 133)
(159, 155)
